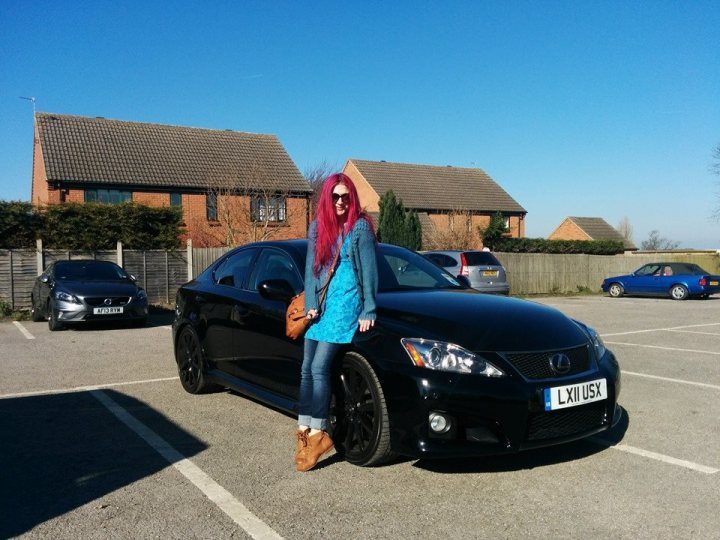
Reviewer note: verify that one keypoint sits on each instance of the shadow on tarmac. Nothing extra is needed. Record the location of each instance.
(531, 459)
(60, 452)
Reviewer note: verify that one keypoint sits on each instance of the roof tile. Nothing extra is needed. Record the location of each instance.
(81, 149)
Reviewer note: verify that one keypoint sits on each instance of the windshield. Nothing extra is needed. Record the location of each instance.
(401, 269)
(89, 271)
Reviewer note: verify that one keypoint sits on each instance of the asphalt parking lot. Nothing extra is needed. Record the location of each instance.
(100, 441)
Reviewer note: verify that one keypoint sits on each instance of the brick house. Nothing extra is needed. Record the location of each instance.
(589, 228)
(441, 196)
(232, 186)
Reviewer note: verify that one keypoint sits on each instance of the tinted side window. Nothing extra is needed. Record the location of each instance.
(274, 264)
(235, 269)
(477, 258)
(442, 260)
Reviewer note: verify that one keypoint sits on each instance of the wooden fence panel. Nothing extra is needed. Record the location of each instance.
(17, 276)
(160, 273)
(544, 273)
(204, 257)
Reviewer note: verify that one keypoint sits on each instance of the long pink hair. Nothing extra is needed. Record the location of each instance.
(328, 227)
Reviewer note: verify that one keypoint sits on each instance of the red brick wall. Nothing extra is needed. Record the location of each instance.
(39, 188)
(369, 199)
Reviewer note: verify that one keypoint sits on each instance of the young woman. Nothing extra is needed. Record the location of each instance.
(349, 304)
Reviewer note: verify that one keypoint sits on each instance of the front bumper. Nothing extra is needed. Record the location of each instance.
(70, 313)
(491, 416)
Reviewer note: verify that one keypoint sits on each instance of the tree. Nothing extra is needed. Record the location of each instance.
(656, 242)
(249, 206)
(625, 229)
(457, 235)
(494, 231)
(315, 176)
(398, 226)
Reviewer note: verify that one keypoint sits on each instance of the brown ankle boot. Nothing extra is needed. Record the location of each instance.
(301, 436)
(317, 446)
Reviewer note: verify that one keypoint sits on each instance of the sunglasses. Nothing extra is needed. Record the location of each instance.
(344, 197)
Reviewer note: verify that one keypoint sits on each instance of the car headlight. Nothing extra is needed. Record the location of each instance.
(141, 295)
(597, 342)
(66, 297)
(442, 356)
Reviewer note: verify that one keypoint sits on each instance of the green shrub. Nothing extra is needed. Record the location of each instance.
(542, 245)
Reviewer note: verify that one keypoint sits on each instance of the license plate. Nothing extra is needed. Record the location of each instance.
(572, 395)
(107, 310)
(714, 283)
(490, 273)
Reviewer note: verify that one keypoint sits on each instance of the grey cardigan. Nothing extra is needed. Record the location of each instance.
(364, 261)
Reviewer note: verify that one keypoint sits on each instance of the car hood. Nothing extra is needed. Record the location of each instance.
(98, 288)
(477, 321)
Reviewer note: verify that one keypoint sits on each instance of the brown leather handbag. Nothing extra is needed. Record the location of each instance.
(296, 321)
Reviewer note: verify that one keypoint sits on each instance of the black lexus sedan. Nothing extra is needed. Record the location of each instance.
(446, 371)
(78, 291)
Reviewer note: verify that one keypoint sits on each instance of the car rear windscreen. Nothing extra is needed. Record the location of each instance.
(479, 258)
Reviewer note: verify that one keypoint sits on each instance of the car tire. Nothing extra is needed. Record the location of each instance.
(616, 290)
(190, 360)
(35, 313)
(360, 426)
(53, 323)
(678, 292)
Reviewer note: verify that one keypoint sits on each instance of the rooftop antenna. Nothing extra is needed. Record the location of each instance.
(32, 99)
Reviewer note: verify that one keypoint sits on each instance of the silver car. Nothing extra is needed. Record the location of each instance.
(482, 269)
(78, 291)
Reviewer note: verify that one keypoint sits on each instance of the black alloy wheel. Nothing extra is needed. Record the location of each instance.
(191, 363)
(359, 419)
(35, 314)
(53, 323)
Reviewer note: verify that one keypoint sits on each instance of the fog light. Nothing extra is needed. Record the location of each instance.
(439, 423)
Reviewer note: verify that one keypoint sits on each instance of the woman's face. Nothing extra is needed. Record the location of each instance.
(341, 199)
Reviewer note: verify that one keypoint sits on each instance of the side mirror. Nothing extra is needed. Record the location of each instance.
(276, 289)
(44, 278)
(132, 278)
(464, 281)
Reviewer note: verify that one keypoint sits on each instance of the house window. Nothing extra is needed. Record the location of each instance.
(211, 206)
(107, 196)
(507, 223)
(273, 209)
(175, 199)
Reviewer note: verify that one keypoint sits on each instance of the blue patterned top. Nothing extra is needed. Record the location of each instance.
(338, 320)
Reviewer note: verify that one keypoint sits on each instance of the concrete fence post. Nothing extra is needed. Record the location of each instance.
(39, 256)
(119, 248)
(12, 281)
(189, 259)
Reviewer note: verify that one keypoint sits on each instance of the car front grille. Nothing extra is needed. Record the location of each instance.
(565, 422)
(537, 365)
(97, 301)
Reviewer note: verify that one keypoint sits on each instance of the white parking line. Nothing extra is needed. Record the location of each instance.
(82, 388)
(693, 332)
(668, 379)
(716, 353)
(659, 329)
(23, 330)
(654, 455)
(237, 511)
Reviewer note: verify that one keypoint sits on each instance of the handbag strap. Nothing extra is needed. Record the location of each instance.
(331, 271)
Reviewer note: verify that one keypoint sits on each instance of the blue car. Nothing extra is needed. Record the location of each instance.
(678, 280)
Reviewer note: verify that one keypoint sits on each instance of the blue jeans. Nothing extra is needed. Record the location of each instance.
(315, 388)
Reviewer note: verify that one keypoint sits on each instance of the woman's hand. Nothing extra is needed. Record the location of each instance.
(312, 313)
(366, 324)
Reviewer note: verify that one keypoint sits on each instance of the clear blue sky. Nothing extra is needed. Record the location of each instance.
(595, 109)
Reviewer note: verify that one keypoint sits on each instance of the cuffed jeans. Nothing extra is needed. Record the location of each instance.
(315, 388)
